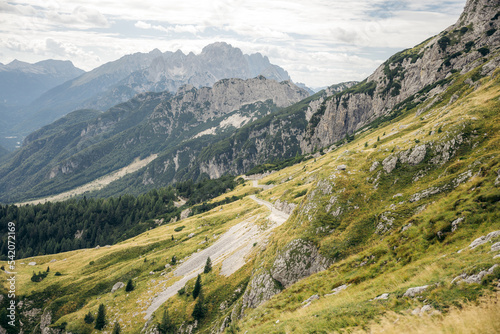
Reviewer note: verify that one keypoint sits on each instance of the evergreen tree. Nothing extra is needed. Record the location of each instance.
(116, 328)
(130, 286)
(89, 318)
(208, 266)
(48, 269)
(166, 326)
(100, 321)
(197, 287)
(199, 309)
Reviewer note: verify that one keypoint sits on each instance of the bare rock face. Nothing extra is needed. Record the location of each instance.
(298, 260)
(380, 93)
(285, 206)
(389, 163)
(413, 156)
(261, 288)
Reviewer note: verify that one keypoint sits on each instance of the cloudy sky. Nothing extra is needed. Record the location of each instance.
(319, 42)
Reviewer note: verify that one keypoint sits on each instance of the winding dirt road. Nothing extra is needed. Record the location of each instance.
(231, 249)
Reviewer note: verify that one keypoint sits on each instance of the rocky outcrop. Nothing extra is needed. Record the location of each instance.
(412, 292)
(474, 278)
(117, 286)
(285, 206)
(299, 259)
(261, 288)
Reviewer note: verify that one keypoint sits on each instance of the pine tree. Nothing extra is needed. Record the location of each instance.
(197, 287)
(130, 286)
(48, 269)
(116, 328)
(89, 318)
(166, 326)
(208, 266)
(100, 321)
(199, 309)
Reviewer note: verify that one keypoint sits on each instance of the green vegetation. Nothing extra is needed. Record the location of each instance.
(277, 165)
(100, 320)
(208, 266)
(130, 286)
(484, 51)
(197, 287)
(85, 223)
(116, 328)
(89, 318)
(166, 326)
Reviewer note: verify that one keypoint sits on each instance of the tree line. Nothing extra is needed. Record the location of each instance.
(51, 228)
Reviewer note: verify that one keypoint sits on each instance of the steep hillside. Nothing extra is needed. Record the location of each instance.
(120, 80)
(84, 146)
(408, 78)
(402, 221)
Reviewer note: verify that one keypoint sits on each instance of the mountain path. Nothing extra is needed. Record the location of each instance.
(231, 249)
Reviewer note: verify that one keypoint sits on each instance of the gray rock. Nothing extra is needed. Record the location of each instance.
(341, 167)
(389, 163)
(117, 286)
(185, 213)
(495, 247)
(382, 297)
(475, 278)
(374, 166)
(412, 292)
(261, 288)
(32, 264)
(310, 299)
(190, 235)
(298, 260)
(338, 289)
(484, 239)
(285, 206)
(454, 224)
(413, 156)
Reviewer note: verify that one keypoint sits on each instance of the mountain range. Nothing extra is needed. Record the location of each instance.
(251, 207)
(21, 83)
(120, 80)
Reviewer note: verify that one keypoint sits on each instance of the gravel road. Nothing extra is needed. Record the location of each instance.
(231, 249)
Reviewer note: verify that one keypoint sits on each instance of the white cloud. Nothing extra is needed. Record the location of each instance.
(317, 42)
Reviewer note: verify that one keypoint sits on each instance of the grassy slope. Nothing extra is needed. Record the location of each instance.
(373, 263)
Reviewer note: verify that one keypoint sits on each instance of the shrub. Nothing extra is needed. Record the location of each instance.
(179, 228)
(483, 51)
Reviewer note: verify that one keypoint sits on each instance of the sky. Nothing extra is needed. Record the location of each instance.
(319, 42)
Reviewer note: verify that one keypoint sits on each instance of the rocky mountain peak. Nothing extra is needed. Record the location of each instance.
(479, 12)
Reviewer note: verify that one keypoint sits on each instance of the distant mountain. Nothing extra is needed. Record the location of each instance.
(3, 153)
(120, 80)
(87, 144)
(21, 83)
